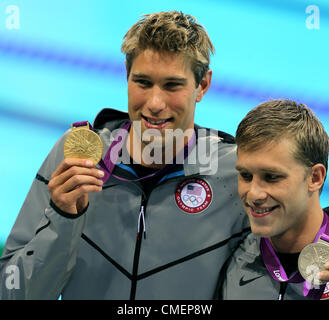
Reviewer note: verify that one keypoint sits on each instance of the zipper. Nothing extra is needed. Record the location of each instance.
(283, 288)
(141, 231)
(141, 226)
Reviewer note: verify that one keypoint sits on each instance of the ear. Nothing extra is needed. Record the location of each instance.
(317, 177)
(204, 85)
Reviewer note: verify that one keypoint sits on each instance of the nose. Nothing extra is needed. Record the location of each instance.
(156, 100)
(256, 192)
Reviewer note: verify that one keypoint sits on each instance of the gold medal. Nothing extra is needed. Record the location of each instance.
(83, 143)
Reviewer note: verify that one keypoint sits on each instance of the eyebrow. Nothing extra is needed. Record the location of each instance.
(177, 79)
(269, 169)
(142, 75)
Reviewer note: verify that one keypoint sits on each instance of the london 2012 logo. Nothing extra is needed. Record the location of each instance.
(193, 195)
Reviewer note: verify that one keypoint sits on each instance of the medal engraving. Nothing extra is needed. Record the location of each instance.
(311, 261)
(83, 143)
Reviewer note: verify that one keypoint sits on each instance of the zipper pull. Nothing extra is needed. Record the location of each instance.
(141, 215)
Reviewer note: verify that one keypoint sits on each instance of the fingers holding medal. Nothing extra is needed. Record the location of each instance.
(76, 176)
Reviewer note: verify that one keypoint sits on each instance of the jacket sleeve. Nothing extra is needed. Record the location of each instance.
(40, 252)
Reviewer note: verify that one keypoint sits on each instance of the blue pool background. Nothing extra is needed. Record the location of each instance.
(63, 64)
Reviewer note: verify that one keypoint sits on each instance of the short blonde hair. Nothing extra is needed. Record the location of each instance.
(170, 32)
(272, 120)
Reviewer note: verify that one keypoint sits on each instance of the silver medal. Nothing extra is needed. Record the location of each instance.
(311, 261)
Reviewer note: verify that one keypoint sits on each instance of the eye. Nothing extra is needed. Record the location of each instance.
(245, 176)
(143, 83)
(269, 177)
(172, 85)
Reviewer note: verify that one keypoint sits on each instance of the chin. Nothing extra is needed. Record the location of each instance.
(264, 232)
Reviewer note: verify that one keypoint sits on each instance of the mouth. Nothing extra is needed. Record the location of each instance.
(156, 123)
(260, 212)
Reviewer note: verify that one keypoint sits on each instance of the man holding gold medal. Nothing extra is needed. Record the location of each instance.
(144, 205)
(282, 165)
(160, 212)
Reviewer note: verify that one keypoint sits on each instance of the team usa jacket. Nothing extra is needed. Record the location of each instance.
(193, 222)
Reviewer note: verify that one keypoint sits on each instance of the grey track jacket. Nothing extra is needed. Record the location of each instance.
(97, 255)
(248, 279)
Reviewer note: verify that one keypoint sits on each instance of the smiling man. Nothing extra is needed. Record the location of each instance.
(162, 92)
(135, 229)
(282, 165)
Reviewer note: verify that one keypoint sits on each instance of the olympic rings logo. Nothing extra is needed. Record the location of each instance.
(191, 199)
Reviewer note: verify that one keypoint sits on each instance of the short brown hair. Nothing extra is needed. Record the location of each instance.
(270, 121)
(170, 32)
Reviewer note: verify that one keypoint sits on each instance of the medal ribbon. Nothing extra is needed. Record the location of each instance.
(107, 165)
(276, 269)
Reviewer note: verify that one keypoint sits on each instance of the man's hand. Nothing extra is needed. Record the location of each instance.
(324, 275)
(71, 182)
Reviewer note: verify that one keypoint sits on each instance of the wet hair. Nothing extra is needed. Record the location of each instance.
(173, 32)
(273, 120)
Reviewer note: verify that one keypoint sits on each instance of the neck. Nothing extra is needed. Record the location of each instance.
(302, 234)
